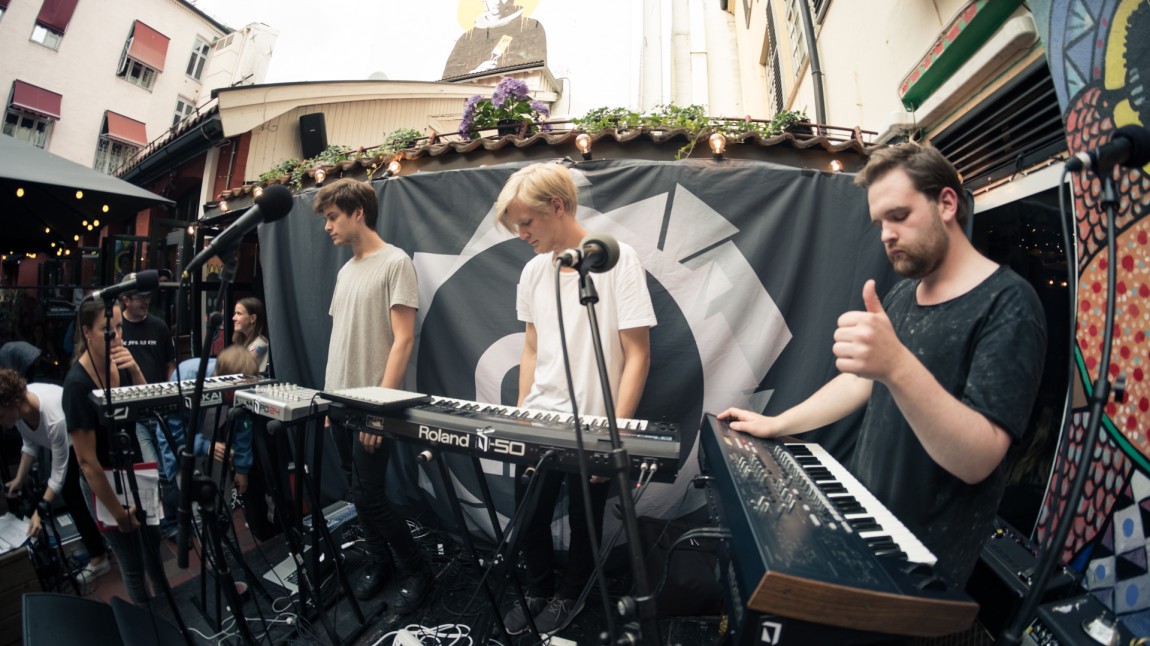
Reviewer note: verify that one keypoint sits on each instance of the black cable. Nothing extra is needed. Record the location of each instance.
(1012, 634)
(699, 532)
(584, 470)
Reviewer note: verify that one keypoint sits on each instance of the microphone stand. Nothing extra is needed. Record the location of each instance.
(202, 489)
(1100, 394)
(642, 603)
(121, 455)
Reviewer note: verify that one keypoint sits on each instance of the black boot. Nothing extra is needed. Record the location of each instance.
(375, 574)
(413, 588)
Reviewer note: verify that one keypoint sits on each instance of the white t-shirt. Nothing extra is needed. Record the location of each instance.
(52, 433)
(624, 303)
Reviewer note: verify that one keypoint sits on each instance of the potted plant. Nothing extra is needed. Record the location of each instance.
(509, 106)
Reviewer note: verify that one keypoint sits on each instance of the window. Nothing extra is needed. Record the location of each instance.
(46, 37)
(772, 71)
(28, 127)
(184, 108)
(111, 155)
(31, 112)
(52, 22)
(120, 139)
(143, 56)
(795, 35)
(137, 73)
(198, 59)
(819, 9)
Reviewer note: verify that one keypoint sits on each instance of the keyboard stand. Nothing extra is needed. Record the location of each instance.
(309, 576)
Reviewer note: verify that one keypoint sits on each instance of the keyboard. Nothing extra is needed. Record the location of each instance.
(812, 544)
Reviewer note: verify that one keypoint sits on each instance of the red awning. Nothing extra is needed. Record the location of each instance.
(125, 130)
(30, 98)
(56, 14)
(149, 46)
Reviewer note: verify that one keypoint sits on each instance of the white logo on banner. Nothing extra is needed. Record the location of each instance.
(738, 329)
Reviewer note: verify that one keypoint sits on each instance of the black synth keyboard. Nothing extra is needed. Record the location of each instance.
(811, 543)
(131, 403)
(519, 434)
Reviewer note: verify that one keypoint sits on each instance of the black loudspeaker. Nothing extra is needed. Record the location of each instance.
(51, 619)
(312, 134)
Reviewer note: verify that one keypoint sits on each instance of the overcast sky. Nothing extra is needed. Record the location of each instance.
(404, 39)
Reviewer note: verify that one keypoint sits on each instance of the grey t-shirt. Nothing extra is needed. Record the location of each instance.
(361, 334)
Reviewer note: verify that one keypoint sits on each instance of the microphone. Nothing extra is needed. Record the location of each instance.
(275, 203)
(597, 253)
(143, 281)
(1129, 146)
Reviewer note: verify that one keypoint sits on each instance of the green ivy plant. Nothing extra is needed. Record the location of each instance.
(330, 155)
(285, 167)
(399, 139)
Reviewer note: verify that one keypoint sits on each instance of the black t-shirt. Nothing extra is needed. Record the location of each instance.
(150, 343)
(987, 348)
(81, 412)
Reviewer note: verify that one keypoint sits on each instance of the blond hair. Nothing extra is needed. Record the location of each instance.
(535, 186)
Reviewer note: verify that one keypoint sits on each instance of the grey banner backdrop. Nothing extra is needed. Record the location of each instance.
(749, 265)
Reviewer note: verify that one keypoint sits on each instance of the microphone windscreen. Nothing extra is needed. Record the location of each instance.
(1139, 139)
(610, 255)
(147, 280)
(275, 203)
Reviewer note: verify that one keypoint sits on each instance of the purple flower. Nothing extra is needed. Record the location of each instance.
(538, 106)
(469, 109)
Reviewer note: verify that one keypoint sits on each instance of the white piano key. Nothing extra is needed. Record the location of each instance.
(889, 524)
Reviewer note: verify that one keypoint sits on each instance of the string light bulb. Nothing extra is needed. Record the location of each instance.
(79, 195)
(257, 191)
(95, 223)
(583, 143)
(718, 143)
(836, 166)
(19, 191)
(320, 176)
(105, 208)
(224, 206)
(394, 167)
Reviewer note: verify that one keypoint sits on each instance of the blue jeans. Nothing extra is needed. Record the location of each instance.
(129, 551)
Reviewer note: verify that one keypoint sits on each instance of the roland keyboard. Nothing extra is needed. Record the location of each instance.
(519, 434)
(283, 402)
(131, 403)
(811, 543)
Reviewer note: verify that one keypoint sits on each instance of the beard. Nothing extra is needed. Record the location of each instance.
(919, 259)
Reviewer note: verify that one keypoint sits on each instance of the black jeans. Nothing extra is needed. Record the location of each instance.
(385, 530)
(538, 551)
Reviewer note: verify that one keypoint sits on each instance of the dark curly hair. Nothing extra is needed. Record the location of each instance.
(12, 388)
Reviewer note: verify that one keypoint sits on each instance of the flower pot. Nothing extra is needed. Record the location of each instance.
(508, 127)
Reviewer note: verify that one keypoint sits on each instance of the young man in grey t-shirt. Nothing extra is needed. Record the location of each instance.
(373, 333)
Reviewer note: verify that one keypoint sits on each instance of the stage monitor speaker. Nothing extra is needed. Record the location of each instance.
(312, 134)
(51, 619)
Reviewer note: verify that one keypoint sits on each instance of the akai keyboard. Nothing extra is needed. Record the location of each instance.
(131, 403)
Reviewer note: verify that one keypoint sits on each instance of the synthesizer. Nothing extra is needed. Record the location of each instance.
(282, 401)
(130, 403)
(811, 543)
(519, 434)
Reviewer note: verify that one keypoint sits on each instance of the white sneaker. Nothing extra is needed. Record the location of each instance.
(88, 575)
